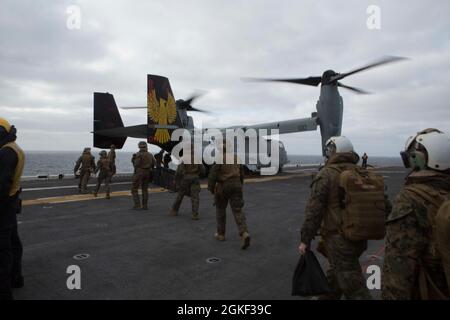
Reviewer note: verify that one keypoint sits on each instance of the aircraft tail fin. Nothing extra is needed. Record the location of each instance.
(162, 110)
(106, 116)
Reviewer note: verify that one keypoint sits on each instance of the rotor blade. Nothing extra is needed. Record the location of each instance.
(310, 81)
(380, 62)
(133, 107)
(192, 98)
(360, 91)
(188, 101)
(191, 108)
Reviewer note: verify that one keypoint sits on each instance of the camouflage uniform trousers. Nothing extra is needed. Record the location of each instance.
(106, 177)
(189, 187)
(141, 179)
(230, 191)
(344, 274)
(85, 174)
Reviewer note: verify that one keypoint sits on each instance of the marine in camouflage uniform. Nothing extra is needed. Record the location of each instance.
(410, 244)
(87, 163)
(166, 160)
(189, 174)
(112, 159)
(225, 181)
(105, 167)
(323, 212)
(143, 163)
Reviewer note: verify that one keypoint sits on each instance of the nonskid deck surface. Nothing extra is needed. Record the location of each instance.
(151, 255)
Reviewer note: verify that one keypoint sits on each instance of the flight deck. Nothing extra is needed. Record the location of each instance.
(129, 254)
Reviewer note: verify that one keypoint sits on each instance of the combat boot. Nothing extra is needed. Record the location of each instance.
(245, 240)
(144, 205)
(108, 196)
(137, 202)
(95, 194)
(173, 212)
(195, 216)
(219, 237)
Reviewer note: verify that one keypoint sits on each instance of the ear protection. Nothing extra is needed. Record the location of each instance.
(330, 149)
(414, 158)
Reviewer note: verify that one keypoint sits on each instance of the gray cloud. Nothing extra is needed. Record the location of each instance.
(48, 72)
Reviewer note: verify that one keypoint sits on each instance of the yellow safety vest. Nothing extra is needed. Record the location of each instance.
(15, 187)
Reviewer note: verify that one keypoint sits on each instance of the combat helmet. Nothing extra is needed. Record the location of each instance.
(102, 153)
(429, 148)
(142, 145)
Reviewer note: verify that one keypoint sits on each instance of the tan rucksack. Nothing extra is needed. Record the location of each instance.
(438, 212)
(363, 204)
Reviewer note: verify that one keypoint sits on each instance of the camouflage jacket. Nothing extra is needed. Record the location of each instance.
(143, 160)
(189, 171)
(86, 161)
(104, 165)
(112, 156)
(225, 172)
(408, 239)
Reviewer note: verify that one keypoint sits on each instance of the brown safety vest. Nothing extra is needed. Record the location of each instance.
(15, 187)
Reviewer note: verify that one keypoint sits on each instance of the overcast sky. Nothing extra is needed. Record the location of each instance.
(48, 71)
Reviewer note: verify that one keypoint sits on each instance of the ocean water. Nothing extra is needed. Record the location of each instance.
(56, 162)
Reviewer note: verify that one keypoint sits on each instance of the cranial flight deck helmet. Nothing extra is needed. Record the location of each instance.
(338, 144)
(430, 148)
(6, 128)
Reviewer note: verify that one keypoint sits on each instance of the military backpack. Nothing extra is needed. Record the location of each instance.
(362, 204)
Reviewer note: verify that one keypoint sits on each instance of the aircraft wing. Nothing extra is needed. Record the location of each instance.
(139, 131)
(287, 126)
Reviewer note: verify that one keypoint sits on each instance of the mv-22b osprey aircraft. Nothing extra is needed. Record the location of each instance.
(166, 114)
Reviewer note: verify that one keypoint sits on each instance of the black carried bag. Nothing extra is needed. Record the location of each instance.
(309, 279)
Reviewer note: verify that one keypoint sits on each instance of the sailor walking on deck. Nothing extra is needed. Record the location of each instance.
(12, 160)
